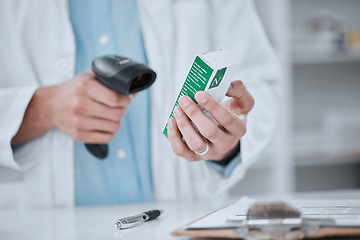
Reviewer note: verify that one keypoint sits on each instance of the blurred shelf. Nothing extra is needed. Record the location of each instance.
(314, 148)
(325, 58)
(321, 159)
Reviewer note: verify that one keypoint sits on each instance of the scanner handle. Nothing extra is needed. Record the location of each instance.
(123, 76)
(98, 150)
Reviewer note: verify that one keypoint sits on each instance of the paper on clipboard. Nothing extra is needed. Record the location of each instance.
(344, 212)
(219, 219)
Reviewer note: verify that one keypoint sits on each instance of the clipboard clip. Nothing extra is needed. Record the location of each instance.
(267, 221)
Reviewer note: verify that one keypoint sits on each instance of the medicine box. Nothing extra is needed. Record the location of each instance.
(211, 72)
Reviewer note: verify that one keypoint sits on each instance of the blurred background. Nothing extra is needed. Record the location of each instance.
(317, 145)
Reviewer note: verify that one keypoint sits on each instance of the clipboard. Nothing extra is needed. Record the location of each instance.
(271, 220)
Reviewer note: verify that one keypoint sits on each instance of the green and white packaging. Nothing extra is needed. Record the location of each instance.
(210, 72)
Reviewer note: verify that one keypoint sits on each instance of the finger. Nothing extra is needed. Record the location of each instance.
(205, 125)
(177, 144)
(102, 94)
(242, 102)
(192, 138)
(93, 136)
(227, 119)
(92, 108)
(96, 124)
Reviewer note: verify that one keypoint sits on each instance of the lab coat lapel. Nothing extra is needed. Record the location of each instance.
(157, 27)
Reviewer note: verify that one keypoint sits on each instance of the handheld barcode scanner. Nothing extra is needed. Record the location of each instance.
(124, 76)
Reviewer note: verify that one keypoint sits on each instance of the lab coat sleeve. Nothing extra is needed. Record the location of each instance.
(13, 104)
(237, 27)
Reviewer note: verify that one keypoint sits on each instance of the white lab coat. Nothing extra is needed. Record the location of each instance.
(38, 49)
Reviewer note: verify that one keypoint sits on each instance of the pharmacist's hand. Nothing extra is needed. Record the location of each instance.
(218, 140)
(88, 111)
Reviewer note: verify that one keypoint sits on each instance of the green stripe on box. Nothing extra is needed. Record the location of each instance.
(196, 80)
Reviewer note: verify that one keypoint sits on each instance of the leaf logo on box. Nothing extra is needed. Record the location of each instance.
(218, 77)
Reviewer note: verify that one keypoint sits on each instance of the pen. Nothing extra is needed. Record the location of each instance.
(131, 221)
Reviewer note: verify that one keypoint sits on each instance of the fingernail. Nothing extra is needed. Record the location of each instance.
(178, 111)
(184, 101)
(171, 122)
(201, 97)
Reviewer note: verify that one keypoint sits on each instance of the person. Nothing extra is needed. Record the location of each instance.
(49, 98)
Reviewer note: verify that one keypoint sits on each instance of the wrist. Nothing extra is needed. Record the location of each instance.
(230, 156)
(42, 101)
(37, 119)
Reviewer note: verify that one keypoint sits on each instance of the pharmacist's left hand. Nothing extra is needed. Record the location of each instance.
(217, 141)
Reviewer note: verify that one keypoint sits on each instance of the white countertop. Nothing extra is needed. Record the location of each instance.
(97, 222)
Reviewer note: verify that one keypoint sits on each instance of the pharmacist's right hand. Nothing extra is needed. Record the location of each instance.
(88, 111)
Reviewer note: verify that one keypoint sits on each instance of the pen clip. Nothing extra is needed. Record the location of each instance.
(129, 222)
